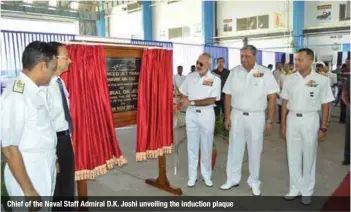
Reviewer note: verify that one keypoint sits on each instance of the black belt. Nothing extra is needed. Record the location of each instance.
(62, 133)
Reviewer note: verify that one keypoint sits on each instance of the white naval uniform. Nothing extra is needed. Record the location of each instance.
(249, 102)
(200, 122)
(303, 125)
(280, 83)
(26, 123)
(178, 80)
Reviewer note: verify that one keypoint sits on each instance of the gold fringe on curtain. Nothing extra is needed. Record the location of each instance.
(153, 154)
(100, 170)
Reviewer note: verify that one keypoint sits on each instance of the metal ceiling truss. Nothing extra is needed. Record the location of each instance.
(87, 10)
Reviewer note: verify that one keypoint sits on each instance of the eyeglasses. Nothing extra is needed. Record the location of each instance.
(199, 63)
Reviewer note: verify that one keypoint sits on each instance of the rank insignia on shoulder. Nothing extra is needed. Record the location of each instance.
(323, 74)
(215, 74)
(18, 86)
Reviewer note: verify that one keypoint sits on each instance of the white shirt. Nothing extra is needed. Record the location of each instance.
(280, 83)
(249, 90)
(193, 87)
(57, 112)
(178, 80)
(306, 94)
(25, 118)
(277, 73)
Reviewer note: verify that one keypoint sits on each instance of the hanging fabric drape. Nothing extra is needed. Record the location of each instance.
(155, 105)
(185, 55)
(94, 138)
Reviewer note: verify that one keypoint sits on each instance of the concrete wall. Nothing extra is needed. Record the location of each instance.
(275, 17)
(313, 14)
(125, 25)
(184, 13)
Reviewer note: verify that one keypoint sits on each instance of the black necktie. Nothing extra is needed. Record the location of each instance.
(65, 106)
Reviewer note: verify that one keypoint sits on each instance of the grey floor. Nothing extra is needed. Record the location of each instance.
(129, 180)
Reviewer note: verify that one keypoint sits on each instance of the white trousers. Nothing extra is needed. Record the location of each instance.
(200, 128)
(246, 129)
(302, 142)
(41, 170)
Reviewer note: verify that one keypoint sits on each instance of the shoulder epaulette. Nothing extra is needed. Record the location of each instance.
(323, 74)
(215, 74)
(18, 86)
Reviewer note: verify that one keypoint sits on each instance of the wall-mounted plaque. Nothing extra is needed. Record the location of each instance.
(123, 79)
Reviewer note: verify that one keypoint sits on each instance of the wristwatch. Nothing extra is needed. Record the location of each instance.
(269, 121)
(323, 129)
(192, 103)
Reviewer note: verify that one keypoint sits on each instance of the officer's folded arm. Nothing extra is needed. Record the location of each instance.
(15, 162)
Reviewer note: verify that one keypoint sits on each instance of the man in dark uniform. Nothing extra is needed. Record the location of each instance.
(192, 68)
(223, 73)
(345, 72)
(346, 100)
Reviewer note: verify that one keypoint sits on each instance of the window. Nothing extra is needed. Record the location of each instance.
(74, 5)
(344, 11)
(28, 1)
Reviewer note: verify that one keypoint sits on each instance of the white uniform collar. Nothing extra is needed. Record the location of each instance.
(206, 75)
(252, 70)
(30, 87)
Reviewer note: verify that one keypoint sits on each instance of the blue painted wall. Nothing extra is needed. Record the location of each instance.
(298, 23)
(100, 24)
(208, 21)
(147, 19)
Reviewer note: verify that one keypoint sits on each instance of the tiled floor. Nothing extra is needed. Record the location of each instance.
(129, 180)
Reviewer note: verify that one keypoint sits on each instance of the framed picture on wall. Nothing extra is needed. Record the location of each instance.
(241, 24)
(263, 22)
(227, 25)
(252, 23)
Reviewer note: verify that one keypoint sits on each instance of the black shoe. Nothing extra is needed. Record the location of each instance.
(345, 162)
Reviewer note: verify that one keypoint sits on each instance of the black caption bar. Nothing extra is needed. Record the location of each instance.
(183, 203)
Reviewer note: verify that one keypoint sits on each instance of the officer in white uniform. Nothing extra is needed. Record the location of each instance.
(247, 89)
(286, 71)
(304, 93)
(28, 137)
(200, 90)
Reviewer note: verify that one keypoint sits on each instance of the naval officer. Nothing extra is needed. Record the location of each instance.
(304, 94)
(27, 134)
(247, 89)
(200, 90)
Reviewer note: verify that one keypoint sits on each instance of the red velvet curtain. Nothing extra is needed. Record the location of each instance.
(94, 139)
(155, 105)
